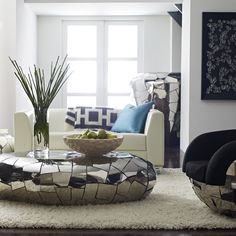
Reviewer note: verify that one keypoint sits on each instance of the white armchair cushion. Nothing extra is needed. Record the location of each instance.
(133, 142)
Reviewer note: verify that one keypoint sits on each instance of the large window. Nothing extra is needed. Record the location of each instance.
(104, 56)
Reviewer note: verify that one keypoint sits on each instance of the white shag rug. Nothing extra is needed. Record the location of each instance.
(171, 205)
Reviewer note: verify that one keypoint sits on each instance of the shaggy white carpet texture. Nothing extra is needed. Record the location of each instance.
(171, 205)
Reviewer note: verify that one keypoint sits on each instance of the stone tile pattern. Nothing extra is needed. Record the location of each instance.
(82, 181)
(221, 199)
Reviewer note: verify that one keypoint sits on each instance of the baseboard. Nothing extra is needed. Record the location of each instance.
(181, 157)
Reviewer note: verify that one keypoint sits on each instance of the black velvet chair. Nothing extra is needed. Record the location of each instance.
(206, 163)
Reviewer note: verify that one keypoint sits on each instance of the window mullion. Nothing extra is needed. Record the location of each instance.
(118, 94)
(105, 64)
(100, 62)
(81, 94)
(64, 52)
(122, 59)
(81, 58)
(140, 47)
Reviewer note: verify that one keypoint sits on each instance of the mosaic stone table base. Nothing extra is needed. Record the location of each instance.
(82, 181)
(221, 199)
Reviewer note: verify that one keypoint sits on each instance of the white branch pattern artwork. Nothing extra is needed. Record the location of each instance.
(219, 56)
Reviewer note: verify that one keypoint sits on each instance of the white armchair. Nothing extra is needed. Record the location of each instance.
(149, 145)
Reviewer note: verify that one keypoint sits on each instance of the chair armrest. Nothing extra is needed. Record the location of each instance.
(205, 145)
(219, 164)
(23, 131)
(154, 130)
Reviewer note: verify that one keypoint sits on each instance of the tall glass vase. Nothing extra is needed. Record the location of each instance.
(41, 133)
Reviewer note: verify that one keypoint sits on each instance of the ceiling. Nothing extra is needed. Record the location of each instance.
(101, 8)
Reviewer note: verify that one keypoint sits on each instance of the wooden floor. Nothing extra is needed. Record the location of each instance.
(50, 232)
(172, 160)
(172, 157)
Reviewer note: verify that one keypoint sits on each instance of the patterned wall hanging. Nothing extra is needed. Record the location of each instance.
(219, 55)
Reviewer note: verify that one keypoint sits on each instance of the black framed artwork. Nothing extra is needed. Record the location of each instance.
(218, 55)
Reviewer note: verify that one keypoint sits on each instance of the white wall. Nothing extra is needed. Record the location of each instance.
(200, 116)
(49, 47)
(185, 80)
(156, 43)
(175, 46)
(18, 41)
(92, 1)
(26, 48)
(7, 48)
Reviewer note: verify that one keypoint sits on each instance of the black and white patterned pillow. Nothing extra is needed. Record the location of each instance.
(92, 117)
(70, 116)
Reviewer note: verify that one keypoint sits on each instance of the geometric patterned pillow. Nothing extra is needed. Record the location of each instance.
(92, 117)
(70, 116)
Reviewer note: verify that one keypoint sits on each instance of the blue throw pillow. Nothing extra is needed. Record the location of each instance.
(132, 119)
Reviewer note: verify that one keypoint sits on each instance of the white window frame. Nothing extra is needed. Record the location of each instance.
(102, 55)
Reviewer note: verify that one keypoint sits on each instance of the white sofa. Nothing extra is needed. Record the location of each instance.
(149, 145)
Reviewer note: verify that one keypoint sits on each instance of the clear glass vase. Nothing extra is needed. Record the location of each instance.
(41, 133)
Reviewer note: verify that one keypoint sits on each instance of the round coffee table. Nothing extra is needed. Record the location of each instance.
(74, 179)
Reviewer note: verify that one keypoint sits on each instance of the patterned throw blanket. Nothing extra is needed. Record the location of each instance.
(91, 117)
